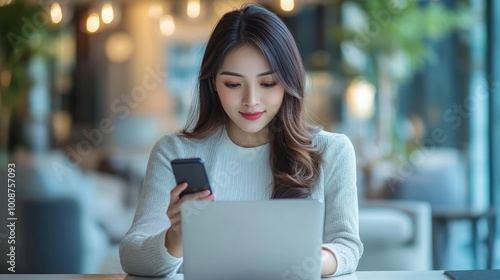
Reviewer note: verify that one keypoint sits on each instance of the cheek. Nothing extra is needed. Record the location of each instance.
(226, 98)
(276, 99)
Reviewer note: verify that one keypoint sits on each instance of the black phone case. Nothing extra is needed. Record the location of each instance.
(192, 171)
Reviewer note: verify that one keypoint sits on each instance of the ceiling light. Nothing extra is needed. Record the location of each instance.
(56, 13)
(93, 23)
(193, 8)
(107, 13)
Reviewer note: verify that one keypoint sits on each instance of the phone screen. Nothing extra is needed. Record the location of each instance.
(192, 171)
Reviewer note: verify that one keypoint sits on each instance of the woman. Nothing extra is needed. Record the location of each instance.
(249, 130)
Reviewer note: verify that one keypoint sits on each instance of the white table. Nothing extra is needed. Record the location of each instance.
(360, 275)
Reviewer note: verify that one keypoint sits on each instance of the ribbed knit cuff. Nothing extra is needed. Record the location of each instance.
(340, 261)
(157, 255)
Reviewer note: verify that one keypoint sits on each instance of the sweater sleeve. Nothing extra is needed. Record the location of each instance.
(142, 250)
(341, 232)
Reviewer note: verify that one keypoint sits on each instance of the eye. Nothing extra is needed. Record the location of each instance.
(269, 85)
(231, 85)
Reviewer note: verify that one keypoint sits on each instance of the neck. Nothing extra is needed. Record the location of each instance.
(248, 140)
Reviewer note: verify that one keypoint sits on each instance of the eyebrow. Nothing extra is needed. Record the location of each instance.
(239, 75)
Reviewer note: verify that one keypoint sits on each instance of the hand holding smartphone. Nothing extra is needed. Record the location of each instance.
(192, 171)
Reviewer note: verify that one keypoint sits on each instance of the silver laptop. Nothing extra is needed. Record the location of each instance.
(273, 239)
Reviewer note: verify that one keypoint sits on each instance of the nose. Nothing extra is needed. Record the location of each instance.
(251, 97)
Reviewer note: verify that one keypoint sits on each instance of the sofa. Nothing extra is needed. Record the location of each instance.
(74, 209)
(397, 235)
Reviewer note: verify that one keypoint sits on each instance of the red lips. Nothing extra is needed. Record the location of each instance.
(252, 116)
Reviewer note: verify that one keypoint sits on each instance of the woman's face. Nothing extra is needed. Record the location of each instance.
(250, 95)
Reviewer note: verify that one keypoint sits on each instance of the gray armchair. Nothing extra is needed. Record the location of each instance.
(397, 235)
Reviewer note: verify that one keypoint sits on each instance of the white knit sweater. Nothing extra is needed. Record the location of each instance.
(238, 173)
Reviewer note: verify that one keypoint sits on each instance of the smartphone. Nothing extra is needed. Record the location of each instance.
(192, 171)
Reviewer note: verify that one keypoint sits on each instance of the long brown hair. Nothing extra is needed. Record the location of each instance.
(294, 159)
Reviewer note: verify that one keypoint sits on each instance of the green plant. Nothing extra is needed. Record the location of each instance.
(402, 28)
(393, 39)
(24, 33)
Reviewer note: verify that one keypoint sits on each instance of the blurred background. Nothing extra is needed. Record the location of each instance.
(88, 86)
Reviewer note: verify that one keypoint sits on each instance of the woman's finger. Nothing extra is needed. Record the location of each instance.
(173, 210)
(196, 196)
(175, 220)
(175, 192)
